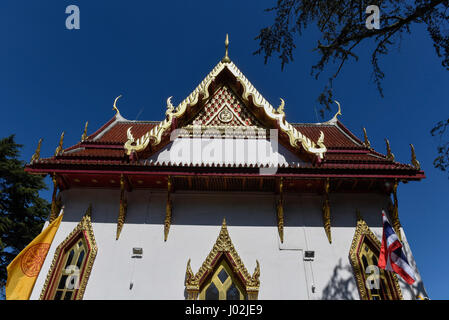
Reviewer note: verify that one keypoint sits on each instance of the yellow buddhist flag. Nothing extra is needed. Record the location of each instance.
(24, 269)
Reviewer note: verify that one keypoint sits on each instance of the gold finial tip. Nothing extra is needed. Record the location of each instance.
(226, 57)
(390, 155)
(415, 162)
(339, 109)
(367, 143)
(115, 105)
(84, 136)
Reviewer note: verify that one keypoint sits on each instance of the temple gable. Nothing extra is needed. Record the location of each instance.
(226, 109)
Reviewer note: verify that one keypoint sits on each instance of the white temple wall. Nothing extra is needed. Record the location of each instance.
(196, 223)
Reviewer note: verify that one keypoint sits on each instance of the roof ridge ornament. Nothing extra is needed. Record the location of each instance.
(37, 154)
(170, 106)
(84, 136)
(59, 148)
(334, 119)
(226, 57)
(366, 143)
(390, 156)
(115, 105)
(415, 162)
(280, 109)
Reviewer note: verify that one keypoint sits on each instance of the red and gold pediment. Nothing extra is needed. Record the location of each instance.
(224, 98)
(225, 109)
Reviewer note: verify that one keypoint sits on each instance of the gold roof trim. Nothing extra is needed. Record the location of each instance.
(154, 136)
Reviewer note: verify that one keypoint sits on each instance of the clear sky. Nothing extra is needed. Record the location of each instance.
(53, 80)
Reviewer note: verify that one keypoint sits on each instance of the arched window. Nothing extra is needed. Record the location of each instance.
(72, 263)
(222, 275)
(373, 283)
(222, 284)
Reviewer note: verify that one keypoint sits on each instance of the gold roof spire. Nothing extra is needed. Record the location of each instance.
(59, 148)
(338, 112)
(115, 105)
(367, 143)
(226, 58)
(37, 153)
(415, 162)
(84, 136)
(390, 156)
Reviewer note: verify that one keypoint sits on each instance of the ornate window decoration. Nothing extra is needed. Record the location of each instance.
(222, 275)
(72, 264)
(365, 250)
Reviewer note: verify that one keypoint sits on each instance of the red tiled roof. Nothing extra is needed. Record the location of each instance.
(334, 137)
(117, 133)
(105, 148)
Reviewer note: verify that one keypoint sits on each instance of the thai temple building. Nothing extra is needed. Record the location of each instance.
(224, 198)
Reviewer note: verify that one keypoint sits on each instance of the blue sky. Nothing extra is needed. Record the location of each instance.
(53, 80)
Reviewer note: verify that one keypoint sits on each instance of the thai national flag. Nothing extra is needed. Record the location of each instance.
(392, 258)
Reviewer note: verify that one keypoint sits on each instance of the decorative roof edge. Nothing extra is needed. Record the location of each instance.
(296, 138)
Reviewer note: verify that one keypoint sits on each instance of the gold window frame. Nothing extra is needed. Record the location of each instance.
(82, 231)
(223, 249)
(362, 234)
(221, 286)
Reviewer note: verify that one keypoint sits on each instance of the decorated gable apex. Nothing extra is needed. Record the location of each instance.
(225, 109)
(224, 98)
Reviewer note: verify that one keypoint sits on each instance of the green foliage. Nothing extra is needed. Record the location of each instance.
(442, 161)
(22, 211)
(342, 27)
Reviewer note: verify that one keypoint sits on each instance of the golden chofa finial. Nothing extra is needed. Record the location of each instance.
(115, 105)
(84, 136)
(338, 112)
(415, 162)
(366, 143)
(226, 57)
(59, 148)
(37, 154)
(390, 156)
